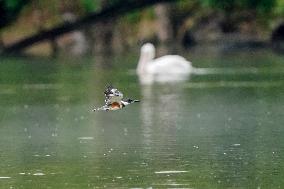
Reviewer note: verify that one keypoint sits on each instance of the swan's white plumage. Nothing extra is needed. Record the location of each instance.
(169, 64)
(166, 68)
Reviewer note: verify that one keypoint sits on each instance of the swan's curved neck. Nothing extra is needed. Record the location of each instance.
(145, 58)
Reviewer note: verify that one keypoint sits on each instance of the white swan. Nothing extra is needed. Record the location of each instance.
(164, 69)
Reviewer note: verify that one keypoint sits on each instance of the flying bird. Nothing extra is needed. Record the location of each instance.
(114, 100)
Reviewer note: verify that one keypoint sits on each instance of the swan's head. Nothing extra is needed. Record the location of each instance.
(148, 50)
(146, 55)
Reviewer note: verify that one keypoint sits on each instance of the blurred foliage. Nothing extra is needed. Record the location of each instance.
(96, 5)
(279, 7)
(12, 4)
(9, 10)
(90, 5)
(133, 17)
(261, 6)
(264, 9)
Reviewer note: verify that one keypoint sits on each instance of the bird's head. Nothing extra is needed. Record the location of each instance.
(148, 51)
(111, 91)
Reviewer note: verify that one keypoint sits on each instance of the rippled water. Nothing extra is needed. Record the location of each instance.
(223, 128)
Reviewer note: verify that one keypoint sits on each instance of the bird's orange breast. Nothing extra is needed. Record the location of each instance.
(115, 105)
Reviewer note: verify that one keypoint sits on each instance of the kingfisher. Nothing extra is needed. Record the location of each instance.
(114, 100)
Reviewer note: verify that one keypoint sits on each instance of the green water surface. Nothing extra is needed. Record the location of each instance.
(222, 128)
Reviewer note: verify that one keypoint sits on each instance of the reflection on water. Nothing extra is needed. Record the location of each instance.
(148, 79)
(159, 109)
(220, 129)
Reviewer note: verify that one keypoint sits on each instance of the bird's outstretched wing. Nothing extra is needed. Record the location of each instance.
(103, 108)
(112, 95)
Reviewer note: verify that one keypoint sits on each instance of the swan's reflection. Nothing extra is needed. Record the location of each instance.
(148, 79)
(161, 106)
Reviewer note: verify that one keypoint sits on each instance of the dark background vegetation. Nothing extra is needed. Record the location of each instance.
(81, 27)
